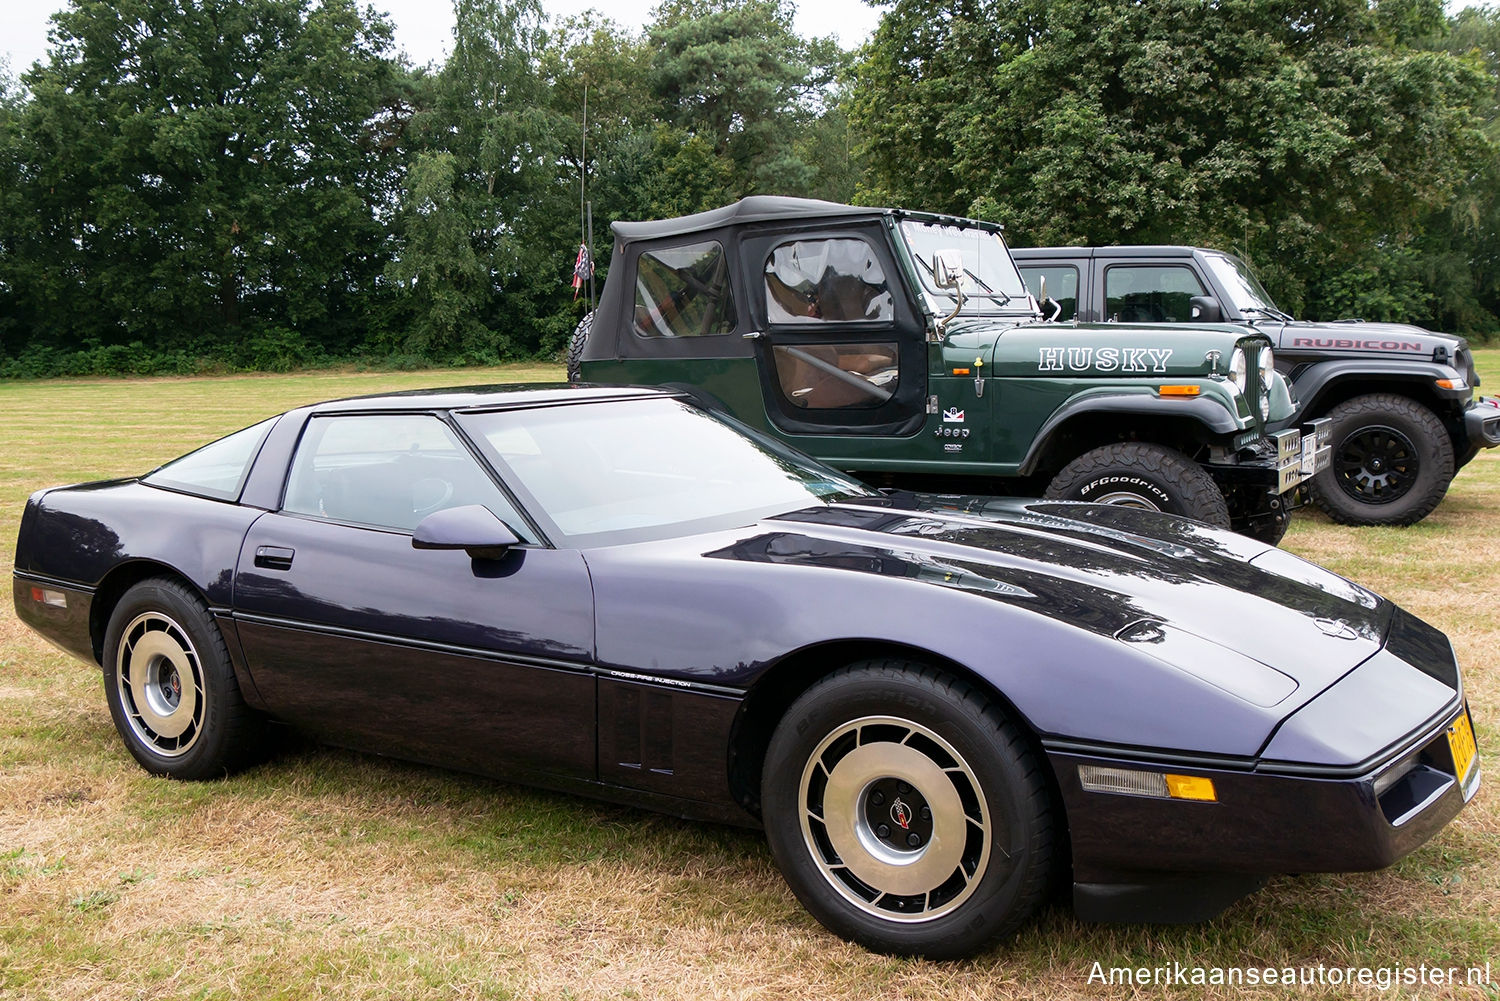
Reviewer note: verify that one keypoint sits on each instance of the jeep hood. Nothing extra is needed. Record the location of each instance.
(1395, 339)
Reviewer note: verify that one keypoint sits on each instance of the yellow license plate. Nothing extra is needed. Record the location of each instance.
(1461, 743)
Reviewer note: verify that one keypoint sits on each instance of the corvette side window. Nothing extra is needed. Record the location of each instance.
(216, 470)
(683, 292)
(1149, 294)
(389, 471)
(826, 281)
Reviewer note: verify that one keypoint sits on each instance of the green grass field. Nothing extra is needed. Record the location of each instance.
(330, 874)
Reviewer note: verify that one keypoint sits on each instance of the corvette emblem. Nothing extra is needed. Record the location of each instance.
(953, 415)
(1334, 628)
(901, 814)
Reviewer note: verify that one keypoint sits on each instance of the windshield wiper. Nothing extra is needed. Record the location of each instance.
(1270, 311)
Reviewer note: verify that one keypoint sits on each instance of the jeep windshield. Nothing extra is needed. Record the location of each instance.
(1244, 289)
(991, 281)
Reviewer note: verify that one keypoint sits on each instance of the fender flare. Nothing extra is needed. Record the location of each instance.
(1312, 381)
(1206, 412)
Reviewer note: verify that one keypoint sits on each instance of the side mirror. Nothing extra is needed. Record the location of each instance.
(948, 269)
(1205, 309)
(472, 527)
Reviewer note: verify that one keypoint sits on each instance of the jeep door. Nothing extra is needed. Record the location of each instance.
(839, 342)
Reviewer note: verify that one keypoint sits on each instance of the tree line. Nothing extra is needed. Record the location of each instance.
(266, 184)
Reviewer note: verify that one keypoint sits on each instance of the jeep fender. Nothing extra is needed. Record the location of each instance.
(1206, 414)
(1320, 385)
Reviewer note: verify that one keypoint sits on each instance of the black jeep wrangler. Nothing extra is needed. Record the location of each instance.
(1400, 398)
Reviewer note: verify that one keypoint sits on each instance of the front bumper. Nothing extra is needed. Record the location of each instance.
(1301, 455)
(1482, 421)
(1137, 858)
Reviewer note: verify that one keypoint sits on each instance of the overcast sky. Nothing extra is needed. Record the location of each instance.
(424, 27)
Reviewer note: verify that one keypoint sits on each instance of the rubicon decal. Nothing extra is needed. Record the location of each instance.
(1354, 345)
(1083, 359)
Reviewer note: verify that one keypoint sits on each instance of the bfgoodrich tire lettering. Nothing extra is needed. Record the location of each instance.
(1391, 465)
(906, 811)
(1135, 474)
(171, 689)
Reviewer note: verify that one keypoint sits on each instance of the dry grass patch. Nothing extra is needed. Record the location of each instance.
(330, 874)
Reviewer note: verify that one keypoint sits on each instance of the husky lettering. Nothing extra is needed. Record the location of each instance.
(1082, 359)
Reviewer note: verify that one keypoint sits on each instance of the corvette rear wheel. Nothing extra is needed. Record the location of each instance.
(906, 811)
(171, 690)
(1142, 475)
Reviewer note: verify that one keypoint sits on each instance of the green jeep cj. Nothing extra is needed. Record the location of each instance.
(904, 347)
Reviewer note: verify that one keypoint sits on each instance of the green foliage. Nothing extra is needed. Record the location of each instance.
(1301, 135)
(209, 185)
(195, 174)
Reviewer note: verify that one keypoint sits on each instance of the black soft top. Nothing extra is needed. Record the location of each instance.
(755, 208)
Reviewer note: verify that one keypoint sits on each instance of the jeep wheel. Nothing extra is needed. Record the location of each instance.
(575, 347)
(1392, 462)
(1133, 474)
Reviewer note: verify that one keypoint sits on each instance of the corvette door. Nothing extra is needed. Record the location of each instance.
(352, 633)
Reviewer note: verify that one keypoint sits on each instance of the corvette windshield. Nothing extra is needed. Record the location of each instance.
(991, 279)
(1244, 288)
(633, 470)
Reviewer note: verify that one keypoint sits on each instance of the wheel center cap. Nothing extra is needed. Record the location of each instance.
(898, 814)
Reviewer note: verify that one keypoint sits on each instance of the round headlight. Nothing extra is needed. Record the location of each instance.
(1238, 369)
(1267, 374)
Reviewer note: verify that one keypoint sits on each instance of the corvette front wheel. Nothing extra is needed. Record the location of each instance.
(907, 812)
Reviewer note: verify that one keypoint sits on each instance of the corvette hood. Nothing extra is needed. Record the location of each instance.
(1257, 621)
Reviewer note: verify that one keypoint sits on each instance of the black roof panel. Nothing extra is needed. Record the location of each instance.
(482, 397)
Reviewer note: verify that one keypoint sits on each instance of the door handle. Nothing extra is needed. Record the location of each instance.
(753, 335)
(274, 557)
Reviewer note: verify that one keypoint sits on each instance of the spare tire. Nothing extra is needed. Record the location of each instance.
(575, 347)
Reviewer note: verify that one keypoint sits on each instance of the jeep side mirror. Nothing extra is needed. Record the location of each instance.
(1205, 309)
(948, 269)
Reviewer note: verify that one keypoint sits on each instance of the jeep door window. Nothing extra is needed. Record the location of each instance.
(1062, 288)
(1241, 285)
(1150, 294)
(992, 281)
(683, 292)
(826, 281)
(812, 284)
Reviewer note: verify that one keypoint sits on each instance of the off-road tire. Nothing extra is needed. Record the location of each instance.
(977, 794)
(1138, 474)
(1269, 531)
(575, 347)
(160, 637)
(1384, 442)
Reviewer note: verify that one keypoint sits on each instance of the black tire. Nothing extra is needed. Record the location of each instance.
(946, 894)
(575, 346)
(1136, 474)
(170, 686)
(1391, 465)
(1269, 530)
